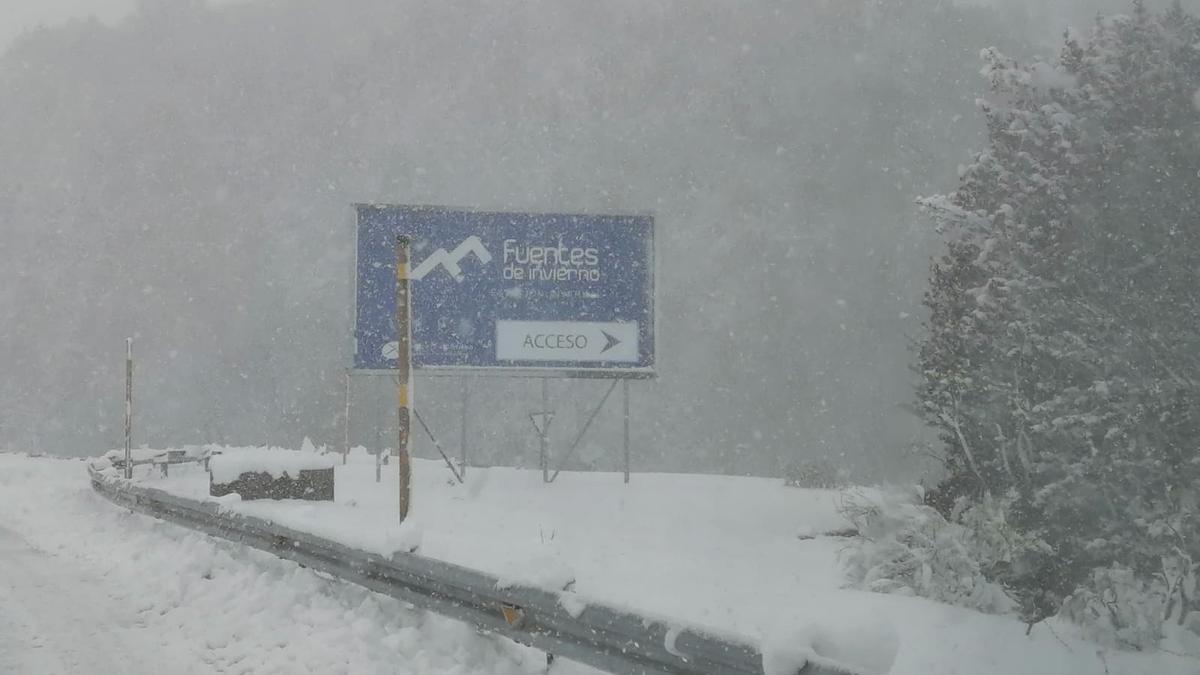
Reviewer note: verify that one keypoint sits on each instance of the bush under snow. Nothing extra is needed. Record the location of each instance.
(909, 548)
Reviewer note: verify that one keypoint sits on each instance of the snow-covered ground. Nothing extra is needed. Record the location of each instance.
(90, 588)
(713, 550)
(57, 618)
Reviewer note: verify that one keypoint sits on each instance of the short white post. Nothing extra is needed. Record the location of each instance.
(128, 408)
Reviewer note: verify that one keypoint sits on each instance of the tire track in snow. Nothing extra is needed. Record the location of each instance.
(55, 619)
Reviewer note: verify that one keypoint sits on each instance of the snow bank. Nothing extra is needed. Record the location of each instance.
(232, 463)
(867, 645)
(785, 655)
(136, 454)
(546, 573)
(406, 538)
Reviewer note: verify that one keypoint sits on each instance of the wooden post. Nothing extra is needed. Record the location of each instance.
(128, 408)
(403, 373)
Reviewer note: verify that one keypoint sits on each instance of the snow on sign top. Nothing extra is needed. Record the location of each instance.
(230, 464)
(508, 291)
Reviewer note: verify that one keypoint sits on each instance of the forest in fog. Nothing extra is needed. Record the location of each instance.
(185, 176)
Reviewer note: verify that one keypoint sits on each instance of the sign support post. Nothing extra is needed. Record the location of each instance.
(128, 408)
(586, 425)
(625, 396)
(403, 373)
(346, 422)
(544, 436)
(379, 457)
(462, 431)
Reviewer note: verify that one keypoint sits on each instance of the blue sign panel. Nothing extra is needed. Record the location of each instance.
(508, 290)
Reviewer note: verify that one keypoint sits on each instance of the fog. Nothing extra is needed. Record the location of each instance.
(184, 175)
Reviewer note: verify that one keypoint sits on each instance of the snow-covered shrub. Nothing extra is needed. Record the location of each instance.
(813, 473)
(909, 548)
(1118, 609)
(1179, 577)
(992, 537)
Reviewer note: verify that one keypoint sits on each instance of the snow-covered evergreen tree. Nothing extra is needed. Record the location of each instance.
(1062, 361)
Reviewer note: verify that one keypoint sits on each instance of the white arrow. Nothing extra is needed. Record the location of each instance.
(610, 341)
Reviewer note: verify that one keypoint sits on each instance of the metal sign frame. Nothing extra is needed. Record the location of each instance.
(525, 370)
(541, 373)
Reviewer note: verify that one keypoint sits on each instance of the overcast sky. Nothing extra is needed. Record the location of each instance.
(22, 15)
(18, 16)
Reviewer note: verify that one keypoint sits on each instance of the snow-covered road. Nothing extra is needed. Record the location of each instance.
(56, 618)
(88, 587)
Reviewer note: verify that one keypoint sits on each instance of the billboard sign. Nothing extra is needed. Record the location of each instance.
(508, 291)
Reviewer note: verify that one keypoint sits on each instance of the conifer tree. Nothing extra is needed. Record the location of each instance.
(1062, 360)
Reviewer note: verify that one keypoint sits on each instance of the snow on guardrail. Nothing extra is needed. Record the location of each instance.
(612, 639)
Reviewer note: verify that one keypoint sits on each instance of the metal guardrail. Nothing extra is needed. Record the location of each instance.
(611, 639)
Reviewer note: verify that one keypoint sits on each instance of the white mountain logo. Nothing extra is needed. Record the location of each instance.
(450, 260)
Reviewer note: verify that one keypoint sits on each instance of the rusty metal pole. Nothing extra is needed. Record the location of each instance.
(128, 408)
(403, 373)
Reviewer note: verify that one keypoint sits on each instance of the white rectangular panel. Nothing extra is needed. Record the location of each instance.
(567, 341)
